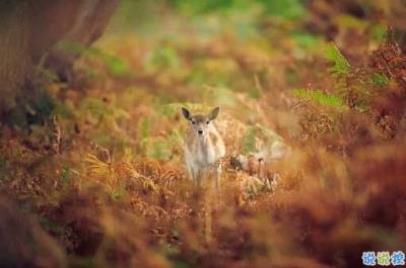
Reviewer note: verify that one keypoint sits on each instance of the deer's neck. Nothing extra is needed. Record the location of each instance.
(205, 142)
(205, 150)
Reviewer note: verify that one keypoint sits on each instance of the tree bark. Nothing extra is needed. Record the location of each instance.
(89, 25)
(30, 30)
(14, 52)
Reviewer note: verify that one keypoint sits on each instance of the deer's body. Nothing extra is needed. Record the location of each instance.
(204, 147)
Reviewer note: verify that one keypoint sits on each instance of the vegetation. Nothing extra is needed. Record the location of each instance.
(95, 176)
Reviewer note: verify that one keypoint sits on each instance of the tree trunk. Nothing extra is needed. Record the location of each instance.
(14, 51)
(29, 31)
(89, 25)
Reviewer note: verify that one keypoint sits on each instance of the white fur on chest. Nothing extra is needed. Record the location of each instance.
(205, 153)
(201, 154)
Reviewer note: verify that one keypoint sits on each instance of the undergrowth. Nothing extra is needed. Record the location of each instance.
(104, 179)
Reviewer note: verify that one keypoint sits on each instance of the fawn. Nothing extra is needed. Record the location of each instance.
(204, 147)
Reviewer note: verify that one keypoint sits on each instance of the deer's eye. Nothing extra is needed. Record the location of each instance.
(193, 122)
(207, 122)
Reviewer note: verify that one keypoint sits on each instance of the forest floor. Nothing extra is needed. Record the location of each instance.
(105, 177)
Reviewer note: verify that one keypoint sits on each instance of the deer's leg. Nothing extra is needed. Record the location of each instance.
(218, 177)
(192, 173)
(259, 172)
(198, 178)
(212, 185)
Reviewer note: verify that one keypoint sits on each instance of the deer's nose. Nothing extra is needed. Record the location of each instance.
(200, 132)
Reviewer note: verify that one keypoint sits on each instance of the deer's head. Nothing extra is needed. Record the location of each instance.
(200, 124)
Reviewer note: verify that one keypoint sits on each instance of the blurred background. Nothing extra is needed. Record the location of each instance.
(313, 114)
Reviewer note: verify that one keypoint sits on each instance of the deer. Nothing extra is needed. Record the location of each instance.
(204, 147)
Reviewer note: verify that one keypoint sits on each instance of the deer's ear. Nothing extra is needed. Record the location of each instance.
(186, 113)
(213, 114)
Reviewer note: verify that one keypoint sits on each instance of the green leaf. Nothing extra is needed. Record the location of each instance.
(249, 140)
(379, 79)
(287, 9)
(340, 64)
(319, 97)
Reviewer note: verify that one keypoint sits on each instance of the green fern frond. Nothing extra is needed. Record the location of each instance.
(248, 142)
(340, 64)
(379, 79)
(319, 97)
